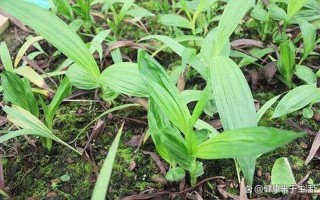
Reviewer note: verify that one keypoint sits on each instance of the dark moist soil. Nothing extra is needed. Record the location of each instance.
(30, 172)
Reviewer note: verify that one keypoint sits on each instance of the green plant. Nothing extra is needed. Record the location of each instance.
(23, 69)
(273, 19)
(195, 19)
(24, 112)
(225, 80)
(82, 73)
(172, 128)
(127, 8)
(81, 8)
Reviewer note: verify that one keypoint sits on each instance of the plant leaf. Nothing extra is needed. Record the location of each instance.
(163, 91)
(230, 19)
(306, 74)
(18, 92)
(281, 173)
(58, 33)
(294, 6)
(266, 106)
(176, 147)
(166, 96)
(80, 78)
(244, 142)
(124, 78)
(175, 20)
(24, 119)
(63, 90)
(101, 187)
(232, 94)
(296, 99)
(5, 57)
(194, 61)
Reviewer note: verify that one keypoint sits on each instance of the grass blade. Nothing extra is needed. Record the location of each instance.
(101, 187)
(5, 57)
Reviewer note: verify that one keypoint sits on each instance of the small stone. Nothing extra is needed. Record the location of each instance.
(132, 165)
(51, 195)
(259, 172)
(303, 145)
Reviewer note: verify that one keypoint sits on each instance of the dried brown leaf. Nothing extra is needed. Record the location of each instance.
(314, 148)
(269, 71)
(134, 141)
(243, 43)
(159, 163)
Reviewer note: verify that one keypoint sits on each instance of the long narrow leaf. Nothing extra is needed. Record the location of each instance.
(232, 94)
(55, 31)
(297, 99)
(245, 142)
(230, 19)
(5, 57)
(101, 187)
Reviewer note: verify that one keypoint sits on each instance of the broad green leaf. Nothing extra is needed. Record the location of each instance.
(260, 14)
(175, 174)
(96, 43)
(281, 173)
(58, 33)
(232, 94)
(200, 125)
(276, 12)
(296, 99)
(166, 96)
(5, 57)
(175, 20)
(18, 92)
(124, 9)
(163, 91)
(208, 51)
(307, 113)
(201, 104)
(306, 74)
(63, 90)
(156, 123)
(139, 12)
(286, 63)
(234, 101)
(230, 19)
(176, 147)
(101, 187)
(80, 78)
(245, 142)
(294, 6)
(266, 106)
(124, 78)
(309, 34)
